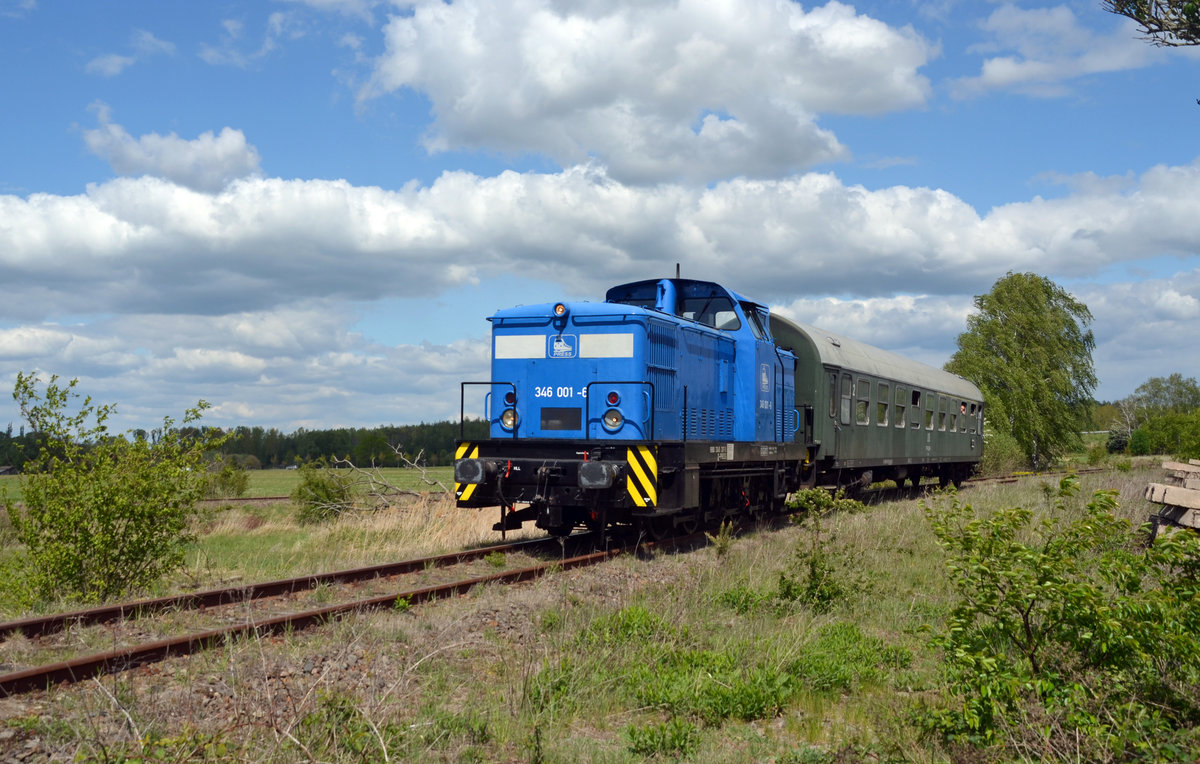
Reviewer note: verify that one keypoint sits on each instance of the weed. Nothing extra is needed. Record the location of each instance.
(842, 656)
(723, 539)
(496, 559)
(742, 599)
(674, 737)
(338, 727)
(402, 604)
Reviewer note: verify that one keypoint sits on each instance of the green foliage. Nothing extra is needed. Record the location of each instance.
(674, 737)
(842, 656)
(1139, 443)
(1164, 22)
(711, 686)
(1173, 433)
(496, 559)
(102, 514)
(226, 480)
(631, 624)
(322, 493)
(818, 501)
(743, 599)
(1002, 454)
(1069, 634)
(1030, 352)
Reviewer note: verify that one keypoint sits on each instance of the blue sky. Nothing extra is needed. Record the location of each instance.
(303, 212)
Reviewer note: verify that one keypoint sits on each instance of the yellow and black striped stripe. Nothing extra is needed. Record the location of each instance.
(641, 480)
(465, 451)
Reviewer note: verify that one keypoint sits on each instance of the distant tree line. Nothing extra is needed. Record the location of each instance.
(1161, 417)
(267, 447)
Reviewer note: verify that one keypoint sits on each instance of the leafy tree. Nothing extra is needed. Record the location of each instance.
(1029, 350)
(1170, 23)
(102, 514)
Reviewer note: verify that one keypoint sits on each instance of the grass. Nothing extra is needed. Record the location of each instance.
(697, 656)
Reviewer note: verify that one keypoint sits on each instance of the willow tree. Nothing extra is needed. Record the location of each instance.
(1028, 347)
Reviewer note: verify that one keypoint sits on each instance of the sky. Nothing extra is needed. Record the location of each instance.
(303, 211)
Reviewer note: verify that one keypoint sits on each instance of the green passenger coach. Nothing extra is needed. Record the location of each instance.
(871, 415)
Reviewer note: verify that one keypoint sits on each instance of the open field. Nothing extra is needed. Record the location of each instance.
(282, 482)
(691, 655)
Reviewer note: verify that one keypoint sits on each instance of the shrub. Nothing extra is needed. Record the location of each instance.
(1070, 636)
(103, 515)
(226, 480)
(1002, 454)
(322, 493)
(1139, 443)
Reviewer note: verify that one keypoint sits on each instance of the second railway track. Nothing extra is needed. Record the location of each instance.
(142, 650)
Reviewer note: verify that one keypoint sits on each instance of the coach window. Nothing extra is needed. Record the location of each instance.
(916, 409)
(974, 412)
(862, 410)
(930, 408)
(833, 396)
(942, 403)
(847, 397)
(901, 399)
(881, 405)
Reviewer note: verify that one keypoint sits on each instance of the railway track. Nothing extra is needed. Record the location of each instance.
(141, 653)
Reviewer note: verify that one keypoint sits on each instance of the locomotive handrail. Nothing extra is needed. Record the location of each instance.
(587, 406)
(462, 407)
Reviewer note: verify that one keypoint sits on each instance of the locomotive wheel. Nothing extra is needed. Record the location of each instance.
(659, 528)
(689, 522)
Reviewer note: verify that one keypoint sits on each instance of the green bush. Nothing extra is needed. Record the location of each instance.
(322, 493)
(1002, 454)
(1139, 443)
(103, 515)
(1070, 635)
(226, 480)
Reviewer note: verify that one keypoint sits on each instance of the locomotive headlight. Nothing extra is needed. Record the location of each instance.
(613, 419)
(508, 420)
(560, 310)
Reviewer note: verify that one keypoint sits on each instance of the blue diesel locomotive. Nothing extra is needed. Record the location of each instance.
(677, 402)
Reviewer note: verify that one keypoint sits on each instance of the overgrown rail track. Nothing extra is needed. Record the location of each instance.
(247, 625)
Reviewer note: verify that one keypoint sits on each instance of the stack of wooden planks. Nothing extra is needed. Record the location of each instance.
(1180, 497)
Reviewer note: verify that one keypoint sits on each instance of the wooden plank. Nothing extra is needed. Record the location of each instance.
(1192, 483)
(1173, 496)
(1195, 462)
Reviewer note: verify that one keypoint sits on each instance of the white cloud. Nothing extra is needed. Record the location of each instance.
(1049, 47)
(144, 43)
(109, 65)
(207, 162)
(693, 90)
(230, 50)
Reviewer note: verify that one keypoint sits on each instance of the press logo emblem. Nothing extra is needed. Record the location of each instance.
(764, 380)
(563, 346)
